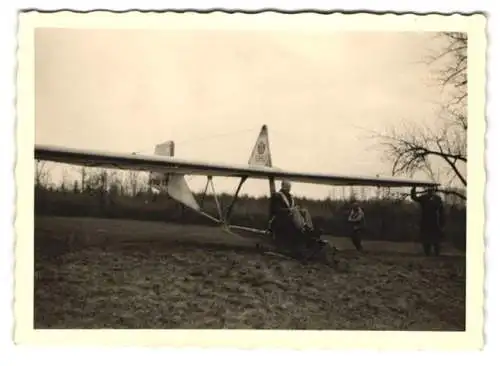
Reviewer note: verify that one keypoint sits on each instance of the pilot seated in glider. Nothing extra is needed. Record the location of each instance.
(287, 218)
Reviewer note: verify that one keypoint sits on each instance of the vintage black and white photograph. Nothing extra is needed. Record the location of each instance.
(226, 171)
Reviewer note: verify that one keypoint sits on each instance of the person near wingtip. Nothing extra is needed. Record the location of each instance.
(356, 219)
(432, 220)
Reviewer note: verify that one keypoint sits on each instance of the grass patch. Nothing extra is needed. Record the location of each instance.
(93, 273)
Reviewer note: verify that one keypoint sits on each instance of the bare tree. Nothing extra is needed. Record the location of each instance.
(41, 174)
(65, 182)
(449, 65)
(103, 179)
(136, 181)
(132, 182)
(440, 149)
(93, 179)
(83, 178)
(114, 182)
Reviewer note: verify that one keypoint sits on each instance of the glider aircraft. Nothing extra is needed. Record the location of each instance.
(167, 174)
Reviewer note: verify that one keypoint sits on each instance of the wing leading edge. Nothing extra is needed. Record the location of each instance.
(166, 164)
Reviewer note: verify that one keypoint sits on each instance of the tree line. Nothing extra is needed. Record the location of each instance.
(107, 194)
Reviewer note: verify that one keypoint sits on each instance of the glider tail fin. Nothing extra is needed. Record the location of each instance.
(156, 179)
(174, 185)
(261, 153)
(165, 149)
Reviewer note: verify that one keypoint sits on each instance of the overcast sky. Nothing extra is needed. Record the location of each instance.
(210, 92)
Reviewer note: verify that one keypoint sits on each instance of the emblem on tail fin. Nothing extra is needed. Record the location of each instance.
(261, 148)
(261, 153)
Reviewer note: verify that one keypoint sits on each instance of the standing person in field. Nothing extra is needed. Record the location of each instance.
(431, 221)
(357, 220)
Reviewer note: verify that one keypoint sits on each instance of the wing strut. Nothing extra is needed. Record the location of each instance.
(235, 198)
(272, 186)
(217, 203)
(204, 193)
(224, 219)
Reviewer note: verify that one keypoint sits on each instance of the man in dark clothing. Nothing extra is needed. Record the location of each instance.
(283, 203)
(432, 220)
(289, 222)
(357, 220)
